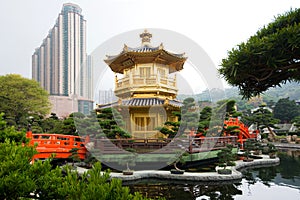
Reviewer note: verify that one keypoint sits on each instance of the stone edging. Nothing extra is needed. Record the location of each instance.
(195, 176)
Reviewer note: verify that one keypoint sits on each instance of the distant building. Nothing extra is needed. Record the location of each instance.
(106, 96)
(60, 64)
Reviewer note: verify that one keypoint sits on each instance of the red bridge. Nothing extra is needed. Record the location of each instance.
(243, 133)
(58, 144)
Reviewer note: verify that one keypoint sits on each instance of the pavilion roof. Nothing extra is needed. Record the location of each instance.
(143, 102)
(145, 54)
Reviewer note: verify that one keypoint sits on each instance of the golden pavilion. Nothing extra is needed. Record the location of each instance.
(145, 84)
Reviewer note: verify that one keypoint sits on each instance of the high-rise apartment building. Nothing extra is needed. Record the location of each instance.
(60, 63)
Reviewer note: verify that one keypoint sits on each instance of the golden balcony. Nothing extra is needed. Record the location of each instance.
(151, 84)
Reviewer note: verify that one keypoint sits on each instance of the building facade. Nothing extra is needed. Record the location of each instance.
(60, 63)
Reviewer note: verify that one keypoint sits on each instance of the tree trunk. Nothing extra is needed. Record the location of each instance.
(271, 135)
(175, 166)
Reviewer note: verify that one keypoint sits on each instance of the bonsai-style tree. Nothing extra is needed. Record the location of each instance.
(226, 158)
(179, 159)
(111, 123)
(169, 129)
(90, 160)
(268, 59)
(272, 150)
(204, 120)
(187, 119)
(189, 115)
(128, 160)
(248, 147)
(257, 147)
(264, 119)
(231, 110)
(74, 155)
(296, 122)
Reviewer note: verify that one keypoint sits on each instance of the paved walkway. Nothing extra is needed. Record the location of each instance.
(194, 176)
(287, 145)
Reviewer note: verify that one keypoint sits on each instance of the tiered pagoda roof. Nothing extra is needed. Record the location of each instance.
(141, 102)
(145, 54)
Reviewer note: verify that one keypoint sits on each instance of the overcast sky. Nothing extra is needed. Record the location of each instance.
(217, 26)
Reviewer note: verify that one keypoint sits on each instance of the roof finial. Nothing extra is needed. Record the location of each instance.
(146, 36)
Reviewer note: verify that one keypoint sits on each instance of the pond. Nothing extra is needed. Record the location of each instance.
(275, 182)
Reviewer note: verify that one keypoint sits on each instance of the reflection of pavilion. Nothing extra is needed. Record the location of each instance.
(147, 90)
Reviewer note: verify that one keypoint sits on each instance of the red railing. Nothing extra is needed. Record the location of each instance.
(244, 133)
(58, 144)
(192, 145)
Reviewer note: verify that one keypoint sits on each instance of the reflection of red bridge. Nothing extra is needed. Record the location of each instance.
(61, 145)
(57, 144)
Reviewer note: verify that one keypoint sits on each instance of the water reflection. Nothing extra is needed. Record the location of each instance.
(278, 182)
(154, 188)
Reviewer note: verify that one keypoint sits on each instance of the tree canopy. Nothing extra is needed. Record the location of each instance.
(269, 58)
(20, 98)
(286, 110)
(263, 118)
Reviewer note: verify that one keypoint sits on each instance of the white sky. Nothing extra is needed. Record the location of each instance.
(215, 25)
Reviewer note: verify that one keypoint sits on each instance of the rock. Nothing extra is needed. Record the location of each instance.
(288, 138)
(294, 138)
(264, 141)
(271, 137)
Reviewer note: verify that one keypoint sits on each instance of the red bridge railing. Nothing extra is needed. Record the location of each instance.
(58, 144)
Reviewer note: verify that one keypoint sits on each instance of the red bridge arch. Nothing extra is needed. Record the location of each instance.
(244, 132)
(58, 144)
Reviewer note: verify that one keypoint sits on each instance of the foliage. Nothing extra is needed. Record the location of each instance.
(217, 118)
(204, 120)
(263, 117)
(74, 155)
(14, 176)
(249, 146)
(231, 110)
(286, 110)
(21, 98)
(90, 160)
(170, 129)
(187, 119)
(269, 58)
(226, 157)
(111, 123)
(189, 114)
(9, 132)
(89, 126)
(52, 125)
(94, 184)
(296, 120)
(271, 148)
(19, 178)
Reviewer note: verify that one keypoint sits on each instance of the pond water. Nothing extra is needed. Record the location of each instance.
(275, 182)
